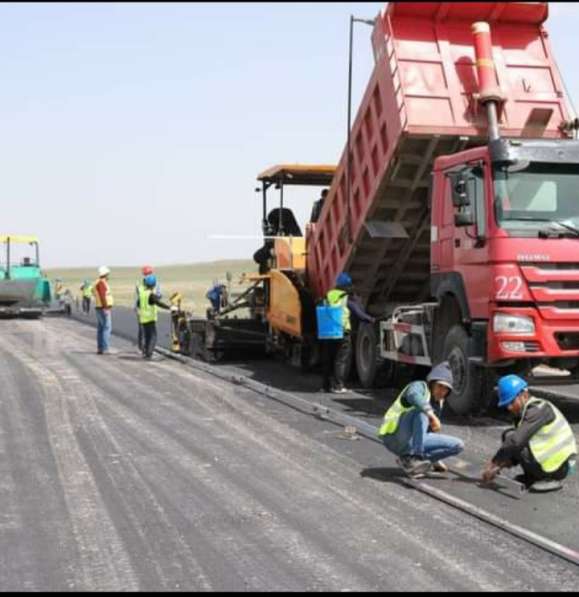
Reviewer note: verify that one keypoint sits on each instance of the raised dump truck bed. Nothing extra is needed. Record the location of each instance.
(421, 103)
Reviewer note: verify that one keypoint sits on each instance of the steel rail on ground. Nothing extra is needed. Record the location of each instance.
(369, 431)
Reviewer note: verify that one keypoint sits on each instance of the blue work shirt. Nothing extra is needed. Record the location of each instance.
(355, 308)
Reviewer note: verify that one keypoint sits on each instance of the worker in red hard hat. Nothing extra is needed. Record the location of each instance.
(146, 270)
(147, 304)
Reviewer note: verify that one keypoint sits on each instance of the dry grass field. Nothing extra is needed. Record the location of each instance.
(192, 280)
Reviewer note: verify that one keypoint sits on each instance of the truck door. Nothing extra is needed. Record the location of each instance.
(463, 233)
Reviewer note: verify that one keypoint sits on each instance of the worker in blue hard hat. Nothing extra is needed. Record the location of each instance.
(147, 304)
(217, 296)
(411, 425)
(541, 441)
(336, 354)
(146, 270)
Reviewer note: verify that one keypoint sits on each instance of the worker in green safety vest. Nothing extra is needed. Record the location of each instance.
(146, 270)
(147, 304)
(86, 289)
(541, 442)
(411, 426)
(336, 354)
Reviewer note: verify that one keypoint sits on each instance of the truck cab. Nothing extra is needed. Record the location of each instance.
(505, 228)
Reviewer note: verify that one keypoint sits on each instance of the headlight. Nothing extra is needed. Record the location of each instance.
(514, 346)
(518, 324)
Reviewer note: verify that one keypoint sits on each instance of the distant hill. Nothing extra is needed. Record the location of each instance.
(191, 280)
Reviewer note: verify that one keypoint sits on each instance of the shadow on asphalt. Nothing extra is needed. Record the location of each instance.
(383, 474)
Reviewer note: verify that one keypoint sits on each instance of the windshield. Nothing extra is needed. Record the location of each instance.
(528, 200)
(21, 254)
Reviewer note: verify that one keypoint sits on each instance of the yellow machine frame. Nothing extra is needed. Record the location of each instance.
(284, 308)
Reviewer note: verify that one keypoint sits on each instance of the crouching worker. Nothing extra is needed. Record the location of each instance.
(147, 304)
(541, 442)
(405, 430)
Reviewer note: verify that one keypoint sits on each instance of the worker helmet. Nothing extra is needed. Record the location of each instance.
(104, 271)
(147, 269)
(510, 386)
(441, 374)
(150, 281)
(344, 280)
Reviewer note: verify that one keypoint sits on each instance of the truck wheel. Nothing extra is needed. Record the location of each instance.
(467, 378)
(367, 359)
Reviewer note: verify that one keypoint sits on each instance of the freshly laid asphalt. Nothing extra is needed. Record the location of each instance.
(120, 474)
(546, 514)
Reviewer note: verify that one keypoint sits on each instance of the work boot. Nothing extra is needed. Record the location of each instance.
(414, 466)
(545, 485)
(439, 467)
(340, 390)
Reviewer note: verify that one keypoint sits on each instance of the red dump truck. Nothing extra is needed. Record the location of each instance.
(455, 211)
(460, 222)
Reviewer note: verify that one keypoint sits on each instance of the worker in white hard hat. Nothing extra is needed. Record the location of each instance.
(103, 306)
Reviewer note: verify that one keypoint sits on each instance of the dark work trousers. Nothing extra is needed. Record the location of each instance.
(149, 338)
(140, 336)
(532, 469)
(335, 359)
(86, 304)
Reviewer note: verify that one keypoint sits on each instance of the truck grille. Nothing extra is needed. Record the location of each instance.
(554, 287)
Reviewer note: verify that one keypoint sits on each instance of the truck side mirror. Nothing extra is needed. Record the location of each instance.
(459, 194)
(464, 219)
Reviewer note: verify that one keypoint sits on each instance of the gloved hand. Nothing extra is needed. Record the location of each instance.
(174, 308)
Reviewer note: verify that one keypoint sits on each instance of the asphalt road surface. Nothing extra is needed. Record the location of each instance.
(121, 475)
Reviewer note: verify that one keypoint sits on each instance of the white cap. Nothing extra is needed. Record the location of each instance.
(104, 271)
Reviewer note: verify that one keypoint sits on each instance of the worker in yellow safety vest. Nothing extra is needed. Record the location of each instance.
(86, 290)
(541, 442)
(336, 354)
(411, 425)
(147, 305)
(146, 271)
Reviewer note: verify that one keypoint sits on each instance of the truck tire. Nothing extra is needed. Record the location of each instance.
(367, 357)
(465, 398)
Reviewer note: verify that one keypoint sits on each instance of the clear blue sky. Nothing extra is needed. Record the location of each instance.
(132, 133)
